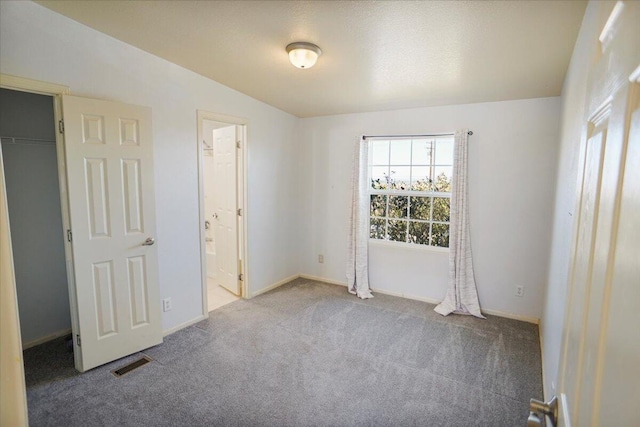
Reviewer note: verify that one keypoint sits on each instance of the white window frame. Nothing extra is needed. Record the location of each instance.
(406, 193)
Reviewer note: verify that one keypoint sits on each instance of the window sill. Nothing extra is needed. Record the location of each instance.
(411, 246)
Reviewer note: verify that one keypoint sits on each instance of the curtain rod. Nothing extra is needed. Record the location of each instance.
(412, 136)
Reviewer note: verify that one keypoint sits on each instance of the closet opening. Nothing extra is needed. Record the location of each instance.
(30, 160)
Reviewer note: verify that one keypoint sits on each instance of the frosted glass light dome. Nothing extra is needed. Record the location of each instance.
(303, 55)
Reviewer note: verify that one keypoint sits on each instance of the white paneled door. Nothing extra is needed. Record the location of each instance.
(599, 382)
(225, 168)
(109, 159)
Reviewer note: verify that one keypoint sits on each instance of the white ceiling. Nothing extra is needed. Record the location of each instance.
(376, 55)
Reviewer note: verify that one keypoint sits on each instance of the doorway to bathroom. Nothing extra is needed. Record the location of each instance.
(221, 148)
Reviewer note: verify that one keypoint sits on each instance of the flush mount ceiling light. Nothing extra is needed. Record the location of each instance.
(303, 55)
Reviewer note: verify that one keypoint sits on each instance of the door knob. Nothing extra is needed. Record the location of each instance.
(540, 410)
(533, 420)
(150, 241)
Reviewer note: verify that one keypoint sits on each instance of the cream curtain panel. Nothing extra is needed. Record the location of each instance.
(358, 243)
(462, 296)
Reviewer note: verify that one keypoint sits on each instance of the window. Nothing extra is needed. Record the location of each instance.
(410, 190)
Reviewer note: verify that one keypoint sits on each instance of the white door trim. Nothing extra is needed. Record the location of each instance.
(34, 86)
(206, 115)
(55, 91)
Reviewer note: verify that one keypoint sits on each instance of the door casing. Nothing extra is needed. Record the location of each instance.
(56, 92)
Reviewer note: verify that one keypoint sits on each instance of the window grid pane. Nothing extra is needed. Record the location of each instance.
(397, 230)
(421, 152)
(379, 153)
(400, 152)
(377, 228)
(420, 208)
(441, 209)
(378, 205)
(419, 232)
(440, 235)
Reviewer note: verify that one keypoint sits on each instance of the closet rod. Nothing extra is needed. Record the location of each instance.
(412, 136)
(16, 138)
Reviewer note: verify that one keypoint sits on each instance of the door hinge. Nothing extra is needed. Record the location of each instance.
(69, 235)
(61, 126)
(239, 211)
(237, 144)
(78, 342)
(240, 277)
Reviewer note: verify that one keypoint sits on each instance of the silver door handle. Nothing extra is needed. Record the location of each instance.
(541, 410)
(150, 241)
(534, 420)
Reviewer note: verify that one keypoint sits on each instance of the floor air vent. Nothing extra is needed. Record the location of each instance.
(131, 366)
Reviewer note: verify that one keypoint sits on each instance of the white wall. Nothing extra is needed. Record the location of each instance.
(39, 44)
(513, 155)
(571, 137)
(512, 162)
(31, 174)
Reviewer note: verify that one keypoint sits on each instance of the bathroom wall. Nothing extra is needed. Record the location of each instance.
(209, 129)
(209, 186)
(31, 174)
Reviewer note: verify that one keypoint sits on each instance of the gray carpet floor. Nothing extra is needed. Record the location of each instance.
(305, 354)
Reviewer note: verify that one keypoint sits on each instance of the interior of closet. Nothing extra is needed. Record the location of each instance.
(28, 144)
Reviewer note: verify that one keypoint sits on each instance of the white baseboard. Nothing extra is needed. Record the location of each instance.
(407, 296)
(534, 320)
(490, 312)
(275, 285)
(344, 283)
(45, 339)
(497, 313)
(322, 279)
(185, 325)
